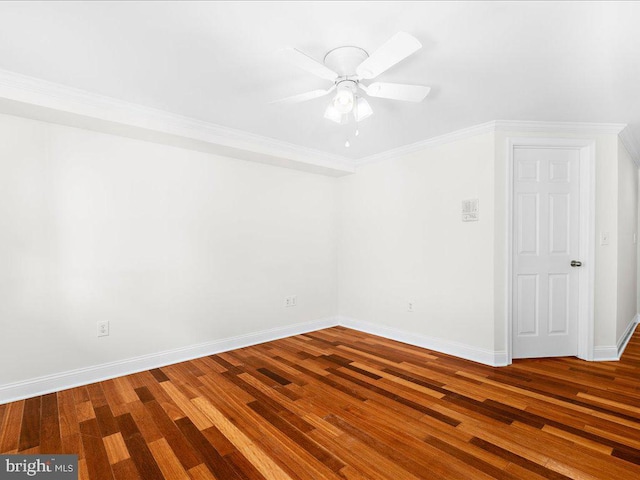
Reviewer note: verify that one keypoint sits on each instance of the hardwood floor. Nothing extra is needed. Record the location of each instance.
(343, 404)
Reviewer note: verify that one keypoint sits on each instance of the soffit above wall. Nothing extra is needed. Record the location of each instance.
(41, 100)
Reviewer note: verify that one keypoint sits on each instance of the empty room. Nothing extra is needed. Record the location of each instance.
(362, 240)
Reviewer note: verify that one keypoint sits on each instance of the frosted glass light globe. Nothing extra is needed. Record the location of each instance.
(343, 101)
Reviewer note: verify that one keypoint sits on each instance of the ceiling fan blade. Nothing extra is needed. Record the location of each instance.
(305, 62)
(397, 91)
(303, 97)
(396, 49)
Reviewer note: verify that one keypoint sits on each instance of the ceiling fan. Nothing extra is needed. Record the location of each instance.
(347, 67)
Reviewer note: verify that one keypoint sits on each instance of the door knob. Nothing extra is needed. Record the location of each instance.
(576, 263)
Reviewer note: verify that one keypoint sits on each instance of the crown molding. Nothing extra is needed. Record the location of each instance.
(39, 99)
(630, 143)
(574, 128)
(428, 143)
(42, 100)
(622, 130)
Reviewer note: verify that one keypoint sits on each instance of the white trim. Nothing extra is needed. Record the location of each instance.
(576, 128)
(39, 99)
(84, 376)
(42, 100)
(612, 353)
(629, 142)
(508, 327)
(96, 373)
(586, 339)
(605, 354)
(623, 341)
(461, 350)
(428, 143)
(587, 235)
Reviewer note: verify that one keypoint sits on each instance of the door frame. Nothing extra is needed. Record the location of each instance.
(586, 282)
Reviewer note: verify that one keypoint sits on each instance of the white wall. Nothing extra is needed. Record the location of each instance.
(627, 249)
(173, 247)
(402, 239)
(177, 248)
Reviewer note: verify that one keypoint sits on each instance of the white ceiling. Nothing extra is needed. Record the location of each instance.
(219, 62)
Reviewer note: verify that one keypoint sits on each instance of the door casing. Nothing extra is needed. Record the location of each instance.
(586, 148)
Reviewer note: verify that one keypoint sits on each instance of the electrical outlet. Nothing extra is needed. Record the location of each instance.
(410, 306)
(287, 301)
(291, 301)
(103, 328)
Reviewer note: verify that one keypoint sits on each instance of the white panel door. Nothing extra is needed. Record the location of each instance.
(545, 242)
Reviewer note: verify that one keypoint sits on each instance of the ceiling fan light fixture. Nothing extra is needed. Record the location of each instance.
(363, 109)
(343, 101)
(332, 113)
(347, 66)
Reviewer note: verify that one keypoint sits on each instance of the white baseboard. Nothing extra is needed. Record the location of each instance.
(84, 376)
(605, 354)
(468, 352)
(626, 336)
(614, 352)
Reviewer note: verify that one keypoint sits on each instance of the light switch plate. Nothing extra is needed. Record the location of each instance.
(470, 210)
(103, 328)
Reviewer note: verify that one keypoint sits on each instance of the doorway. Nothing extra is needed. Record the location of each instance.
(551, 255)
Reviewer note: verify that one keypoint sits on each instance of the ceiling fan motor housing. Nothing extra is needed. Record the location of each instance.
(346, 84)
(345, 60)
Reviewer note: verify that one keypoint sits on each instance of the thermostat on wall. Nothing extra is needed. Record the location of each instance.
(470, 210)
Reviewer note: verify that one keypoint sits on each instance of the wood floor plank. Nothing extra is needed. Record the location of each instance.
(125, 470)
(116, 448)
(167, 460)
(97, 461)
(144, 421)
(10, 431)
(242, 443)
(172, 434)
(138, 448)
(85, 411)
(50, 436)
(67, 414)
(201, 472)
(372, 464)
(342, 404)
(183, 402)
(31, 418)
(212, 458)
